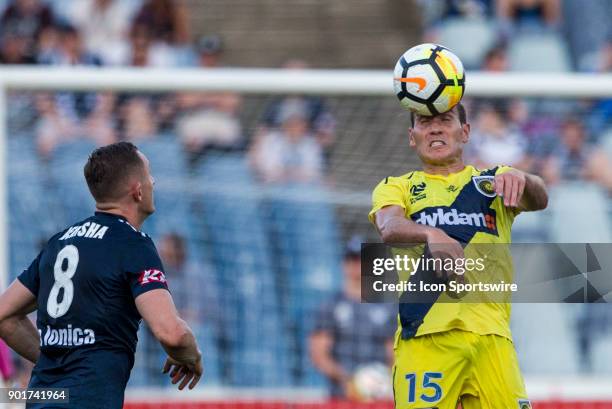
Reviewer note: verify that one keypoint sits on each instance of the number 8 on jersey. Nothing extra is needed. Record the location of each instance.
(63, 280)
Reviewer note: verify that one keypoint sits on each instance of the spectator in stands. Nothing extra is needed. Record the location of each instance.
(53, 127)
(528, 14)
(495, 139)
(136, 114)
(320, 121)
(584, 40)
(209, 121)
(182, 275)
(104, 25)
(575, 160)
(26, 19)
(144, 52)
(70, 50)
(290, 153)
(48, 43)
(167, 21)
(349, 334)
(14, 48)
(100, 125)
(210, 51)
(437, 11)
(168, 26)
(496, 59)
(605, 59)
(138, 53)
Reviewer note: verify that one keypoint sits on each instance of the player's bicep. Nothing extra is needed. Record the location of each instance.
(386, 214)
(157, 309)
(156, 306)
(17, 300)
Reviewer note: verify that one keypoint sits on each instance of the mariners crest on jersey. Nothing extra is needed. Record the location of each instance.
(484, 185)
(524, 404)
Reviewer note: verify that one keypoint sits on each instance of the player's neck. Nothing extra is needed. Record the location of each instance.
(445, 169)
(130, 215)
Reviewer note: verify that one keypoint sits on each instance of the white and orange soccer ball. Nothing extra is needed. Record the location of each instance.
(372, 382)
(429, 79)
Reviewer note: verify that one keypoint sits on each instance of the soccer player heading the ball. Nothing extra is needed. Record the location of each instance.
(91, 284)
(454, 352)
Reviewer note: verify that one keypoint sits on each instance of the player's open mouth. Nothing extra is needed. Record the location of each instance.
(435, 144)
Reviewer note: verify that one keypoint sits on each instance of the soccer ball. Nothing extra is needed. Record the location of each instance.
(429, 79)
(372, 382)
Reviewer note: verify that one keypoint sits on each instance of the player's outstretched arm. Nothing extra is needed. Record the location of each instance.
(521, 190)
(185, 359)
(15, 327)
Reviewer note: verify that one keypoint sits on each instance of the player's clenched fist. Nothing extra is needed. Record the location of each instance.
(510, 186)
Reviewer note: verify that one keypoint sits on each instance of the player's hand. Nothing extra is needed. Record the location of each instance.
(442, 246)
(510, 186)
(184, 373)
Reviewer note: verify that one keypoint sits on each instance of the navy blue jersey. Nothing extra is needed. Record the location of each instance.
(86, 280)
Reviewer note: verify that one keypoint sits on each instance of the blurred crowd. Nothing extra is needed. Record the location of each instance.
(292, 142)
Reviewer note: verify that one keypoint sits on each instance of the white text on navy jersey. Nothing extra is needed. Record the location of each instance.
(67, 337)
(452, 218)
(89, 230)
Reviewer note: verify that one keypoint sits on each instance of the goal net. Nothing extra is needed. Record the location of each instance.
(263, 184)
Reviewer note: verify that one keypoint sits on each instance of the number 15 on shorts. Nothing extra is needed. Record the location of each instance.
(431, 389)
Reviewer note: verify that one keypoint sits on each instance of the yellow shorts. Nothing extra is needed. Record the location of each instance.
(443, 369)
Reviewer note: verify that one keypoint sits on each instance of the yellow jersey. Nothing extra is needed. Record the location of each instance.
(465, 206)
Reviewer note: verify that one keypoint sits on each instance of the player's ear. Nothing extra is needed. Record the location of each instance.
(465, 134)
(137, 191)
(411, 141)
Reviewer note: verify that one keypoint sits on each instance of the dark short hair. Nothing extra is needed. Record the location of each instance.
(460, 110)
(109, 166)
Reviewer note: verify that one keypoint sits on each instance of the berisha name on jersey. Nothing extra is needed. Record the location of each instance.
(90, 230)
